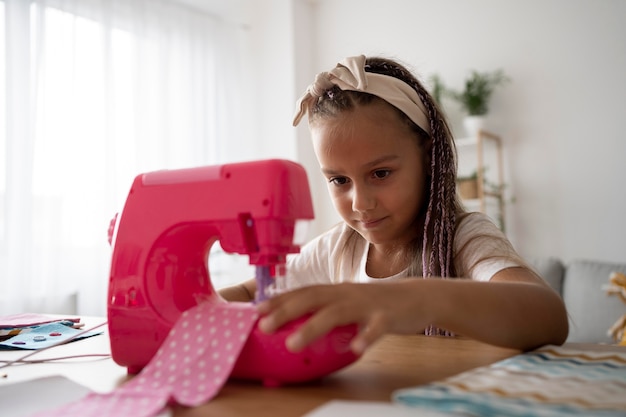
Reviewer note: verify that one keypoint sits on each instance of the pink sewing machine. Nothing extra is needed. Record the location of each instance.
(159, 267)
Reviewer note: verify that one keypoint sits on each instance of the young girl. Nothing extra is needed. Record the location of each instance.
(407, 258)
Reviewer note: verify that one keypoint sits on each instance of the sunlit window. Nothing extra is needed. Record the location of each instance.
(97, 96)
(3, 144)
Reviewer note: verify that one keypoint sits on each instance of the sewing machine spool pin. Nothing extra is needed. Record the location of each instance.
(270, 281)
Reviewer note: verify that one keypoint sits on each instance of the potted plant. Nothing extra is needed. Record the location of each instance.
(475, 96)
(468, 186)
(437, 88)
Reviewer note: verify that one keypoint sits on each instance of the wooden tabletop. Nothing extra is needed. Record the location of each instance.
(394, 362)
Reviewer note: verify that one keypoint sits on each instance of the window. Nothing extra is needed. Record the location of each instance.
(99, 92)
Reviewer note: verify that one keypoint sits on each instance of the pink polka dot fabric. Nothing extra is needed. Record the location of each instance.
(189, 369)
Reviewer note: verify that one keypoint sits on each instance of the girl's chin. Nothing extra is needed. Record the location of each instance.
(383, 238)
(375, 238)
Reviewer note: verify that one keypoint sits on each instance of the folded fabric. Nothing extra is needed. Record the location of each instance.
(30, 319)
(190, 367)
(549, 382)
(14, 331)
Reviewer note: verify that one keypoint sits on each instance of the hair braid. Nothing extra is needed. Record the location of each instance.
(443, 205)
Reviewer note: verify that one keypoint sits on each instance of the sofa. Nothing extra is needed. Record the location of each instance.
(580, 282)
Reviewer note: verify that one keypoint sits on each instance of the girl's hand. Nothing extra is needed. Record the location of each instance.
(376, 308)
(515, 309)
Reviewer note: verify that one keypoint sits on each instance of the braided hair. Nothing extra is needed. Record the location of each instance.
(433, 253)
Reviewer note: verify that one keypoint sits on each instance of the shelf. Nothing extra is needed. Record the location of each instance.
(486, 196)
(476, 202)
(474, 140)
(463, 142)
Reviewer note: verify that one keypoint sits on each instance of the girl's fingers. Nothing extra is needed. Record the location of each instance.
(320, 323)
(283, 308)
(331, 306)
(274, 319)
(376, 327)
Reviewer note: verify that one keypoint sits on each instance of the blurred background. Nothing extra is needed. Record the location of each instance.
(95, 92)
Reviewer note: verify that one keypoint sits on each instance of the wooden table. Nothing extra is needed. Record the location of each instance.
(394, 362)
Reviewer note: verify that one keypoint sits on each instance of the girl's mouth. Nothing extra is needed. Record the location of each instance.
(370, 224)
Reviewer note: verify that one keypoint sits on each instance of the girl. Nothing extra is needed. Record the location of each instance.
(407, 257)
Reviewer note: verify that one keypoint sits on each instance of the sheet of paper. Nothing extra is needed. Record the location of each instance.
(30, 319)
(341, 408)
(26, 398)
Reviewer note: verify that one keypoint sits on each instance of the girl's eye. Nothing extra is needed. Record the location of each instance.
(381, 173)
(338, 180)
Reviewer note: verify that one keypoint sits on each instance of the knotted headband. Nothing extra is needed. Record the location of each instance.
(351, 75)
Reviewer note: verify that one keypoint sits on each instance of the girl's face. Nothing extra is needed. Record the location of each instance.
(376, 172)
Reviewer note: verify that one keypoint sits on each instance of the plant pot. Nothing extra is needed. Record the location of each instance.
(473, 124)
(468, 188)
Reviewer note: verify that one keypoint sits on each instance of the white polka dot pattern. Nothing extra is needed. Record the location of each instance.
(190, 367)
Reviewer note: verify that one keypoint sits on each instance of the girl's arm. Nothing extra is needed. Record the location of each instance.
(515, 309)
(244, 291)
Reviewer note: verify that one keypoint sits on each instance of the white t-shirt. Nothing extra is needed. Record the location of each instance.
(480, 251)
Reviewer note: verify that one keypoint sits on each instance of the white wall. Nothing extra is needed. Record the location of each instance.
(562, 117)
(270, 75)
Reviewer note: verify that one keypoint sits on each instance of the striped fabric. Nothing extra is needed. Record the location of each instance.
(551, 382)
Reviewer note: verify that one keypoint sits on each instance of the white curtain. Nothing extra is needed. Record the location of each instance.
(97, 92)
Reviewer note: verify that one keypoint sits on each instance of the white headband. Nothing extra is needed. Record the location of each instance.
(351, 75)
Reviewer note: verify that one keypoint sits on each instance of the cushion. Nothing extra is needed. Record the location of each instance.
(592, 312)
(551, 270)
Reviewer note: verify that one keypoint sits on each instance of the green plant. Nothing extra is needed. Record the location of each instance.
(437, 88)
(479, 87)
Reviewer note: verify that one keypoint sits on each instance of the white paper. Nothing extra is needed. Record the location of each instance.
(342, 408)
(25, 398)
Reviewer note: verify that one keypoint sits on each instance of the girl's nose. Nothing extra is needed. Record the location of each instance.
(362, 199)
